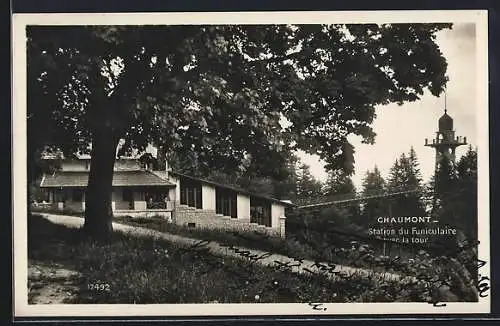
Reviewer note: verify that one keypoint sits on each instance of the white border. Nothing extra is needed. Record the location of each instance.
(19, 21)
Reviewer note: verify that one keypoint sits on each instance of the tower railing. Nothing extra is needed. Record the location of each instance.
(458, 140)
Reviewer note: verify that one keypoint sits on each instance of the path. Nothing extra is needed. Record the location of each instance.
(268, 259)
(51, 284)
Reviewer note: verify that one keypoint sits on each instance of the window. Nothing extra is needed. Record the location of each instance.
(225, 202)
(183, 196)
(218, 203)
(191, 193)
(233, 205)
(260, 211)
(77, 195)
(127, 195)
(190, 197)
(198, 197)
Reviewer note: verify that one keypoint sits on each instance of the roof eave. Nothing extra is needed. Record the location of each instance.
(242, 191)
(115, 185)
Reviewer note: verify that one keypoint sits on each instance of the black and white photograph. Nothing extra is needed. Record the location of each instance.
(288, 163)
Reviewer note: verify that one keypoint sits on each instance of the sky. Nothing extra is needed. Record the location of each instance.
(400, 127)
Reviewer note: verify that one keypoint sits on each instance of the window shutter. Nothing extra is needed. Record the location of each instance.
(183, 193)
(218, 202)
(234, 208)
(199, 197)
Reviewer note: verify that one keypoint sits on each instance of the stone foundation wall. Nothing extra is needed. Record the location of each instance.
(145, 213)
(207, 219)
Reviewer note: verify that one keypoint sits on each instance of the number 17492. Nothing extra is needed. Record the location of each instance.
(99, 287)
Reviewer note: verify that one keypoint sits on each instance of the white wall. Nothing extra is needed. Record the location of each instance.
(243, 205)
(84, 165)
(127, 164)
(140, 205)
(277, 211)
(172, 194)
(139, 201)
(177, 189)
(208, 197)
(75, 165)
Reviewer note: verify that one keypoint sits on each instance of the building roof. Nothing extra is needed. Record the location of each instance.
(445, 122)
(233, 188)
(120, 179)
(129, 178)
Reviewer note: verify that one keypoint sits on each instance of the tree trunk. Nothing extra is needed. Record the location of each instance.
(160, 157)
(98, 209)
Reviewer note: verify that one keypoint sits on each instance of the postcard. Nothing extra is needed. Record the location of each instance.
(251, 163)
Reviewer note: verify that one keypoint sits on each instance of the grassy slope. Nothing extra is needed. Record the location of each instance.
(140, 270)
(288, 247)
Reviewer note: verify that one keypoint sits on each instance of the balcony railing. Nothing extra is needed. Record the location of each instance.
(159, 205)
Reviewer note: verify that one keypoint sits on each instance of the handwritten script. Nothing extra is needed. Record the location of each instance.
(201, 250)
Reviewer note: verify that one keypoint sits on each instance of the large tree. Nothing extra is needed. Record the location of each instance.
(405, 174)
(373, 184)
(308, 188)
(339, 185)
(456, 194)
(466, 192)
(219, 91)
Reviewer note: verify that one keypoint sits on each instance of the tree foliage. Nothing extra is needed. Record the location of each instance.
(456, 193)
(374, 183)
(243, 76)
(444, 182)
(282, 184)
(220, 91)
(466, 202)
(405, 174)
(308, 188)
(338, 183)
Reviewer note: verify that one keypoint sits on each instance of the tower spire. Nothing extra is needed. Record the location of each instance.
(445, 108)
